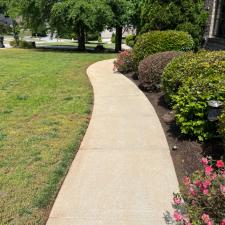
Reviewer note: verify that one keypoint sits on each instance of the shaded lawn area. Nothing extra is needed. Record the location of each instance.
(75, 44)
(45, 106)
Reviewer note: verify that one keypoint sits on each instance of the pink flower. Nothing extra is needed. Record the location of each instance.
(206, 191)
(187, 181)
(223, 222)
(177, 200)
(222, 189)
(206, 218)
(177, 216)
(208, 170)
(205, 161)
(186, 221)
(223, 173)
(198, 183)
(206, 184)
(192, 191)
(220, 164)
(214, 176)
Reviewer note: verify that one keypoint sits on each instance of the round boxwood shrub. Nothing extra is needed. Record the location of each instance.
(151, 69)
(161, 41)
(130, 40)
(190, 81)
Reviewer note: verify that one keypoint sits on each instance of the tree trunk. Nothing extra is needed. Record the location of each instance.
(81, 39)
(15, 33)
(119, 33)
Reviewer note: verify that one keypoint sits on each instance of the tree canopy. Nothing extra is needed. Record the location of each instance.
(123, 12)
(80, 16)
(75, 16)
(185, 15)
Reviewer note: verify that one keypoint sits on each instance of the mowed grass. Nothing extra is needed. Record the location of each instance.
(45, 105)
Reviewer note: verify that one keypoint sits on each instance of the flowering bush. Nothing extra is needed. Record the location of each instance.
(202, 201)
(124, 62)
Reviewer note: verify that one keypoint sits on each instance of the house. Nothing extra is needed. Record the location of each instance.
(215, 28)
(5, 20)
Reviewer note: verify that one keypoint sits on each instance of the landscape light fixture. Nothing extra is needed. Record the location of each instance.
(215, 108)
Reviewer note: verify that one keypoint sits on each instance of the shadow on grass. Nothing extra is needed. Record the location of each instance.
(72, 49)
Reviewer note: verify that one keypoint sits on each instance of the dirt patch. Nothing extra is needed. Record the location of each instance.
(186, 153)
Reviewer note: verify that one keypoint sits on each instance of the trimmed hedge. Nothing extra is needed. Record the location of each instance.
(151, 69)
(161, 41)
(130, 40)
(190, 81)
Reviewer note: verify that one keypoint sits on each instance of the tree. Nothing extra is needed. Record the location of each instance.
(80, 16)
(122, 10)
(36, 14)
(136, 15)
(10, 8)
(185, 15)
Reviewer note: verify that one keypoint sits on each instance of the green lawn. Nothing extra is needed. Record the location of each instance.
(45, 105)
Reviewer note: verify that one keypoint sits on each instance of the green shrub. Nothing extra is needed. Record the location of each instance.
(130, 40)
(151, 69)
(26, 44)
(161, 41)
(222, 129)
(23, 44)
(113, 38)
(93, 36)
(99, 39)
(190, 81)
(13, 43)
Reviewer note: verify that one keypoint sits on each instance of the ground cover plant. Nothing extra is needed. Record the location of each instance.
(190, 81)
(151, 68)
(45, 102)
(161, 41)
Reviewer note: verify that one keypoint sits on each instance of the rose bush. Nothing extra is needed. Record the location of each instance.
(202, 201)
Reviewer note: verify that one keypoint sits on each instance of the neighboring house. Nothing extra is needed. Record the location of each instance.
(107, 34)
(5, 20)
(215, 29)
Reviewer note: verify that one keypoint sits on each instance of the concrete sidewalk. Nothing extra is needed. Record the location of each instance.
(123, 173)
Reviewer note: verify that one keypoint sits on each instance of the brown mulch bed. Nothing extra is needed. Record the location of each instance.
(186, 153)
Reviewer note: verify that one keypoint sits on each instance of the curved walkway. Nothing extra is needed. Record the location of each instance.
(123, 173)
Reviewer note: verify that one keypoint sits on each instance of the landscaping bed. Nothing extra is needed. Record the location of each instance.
(188, 153)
